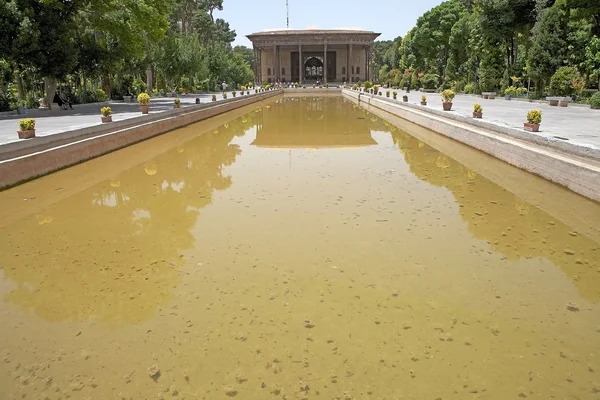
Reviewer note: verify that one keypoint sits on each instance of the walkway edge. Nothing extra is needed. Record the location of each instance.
(80, 148)
(573, 171)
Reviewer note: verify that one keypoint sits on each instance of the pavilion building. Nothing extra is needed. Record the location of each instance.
(311, 55)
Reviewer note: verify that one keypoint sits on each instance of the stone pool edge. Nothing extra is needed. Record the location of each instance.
(82, 147)
(556, 165)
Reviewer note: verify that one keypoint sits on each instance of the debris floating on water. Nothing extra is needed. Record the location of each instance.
(572, 306)
(154, 372)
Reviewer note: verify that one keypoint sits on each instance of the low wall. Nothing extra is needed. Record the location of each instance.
(87, 143)
(566, 166)
(310, 91)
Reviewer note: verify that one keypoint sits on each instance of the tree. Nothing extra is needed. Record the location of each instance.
(46, 39)
(379, 50)
(9, 27)
(548, 48)
(432, 33)
(246, 53)
(591, 65)
(589, 9)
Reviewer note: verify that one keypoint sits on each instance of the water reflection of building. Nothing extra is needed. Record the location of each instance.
(313, 54)
(307, 122)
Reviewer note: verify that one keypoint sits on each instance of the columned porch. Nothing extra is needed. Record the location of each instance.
(307, 57)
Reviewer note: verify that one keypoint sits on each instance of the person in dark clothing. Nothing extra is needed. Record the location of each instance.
(57, 99)
(62, 101)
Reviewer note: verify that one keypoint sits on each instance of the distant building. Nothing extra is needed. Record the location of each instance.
(310, 55)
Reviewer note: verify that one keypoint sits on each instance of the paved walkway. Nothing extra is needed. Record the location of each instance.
(85, 115)
(579, 125)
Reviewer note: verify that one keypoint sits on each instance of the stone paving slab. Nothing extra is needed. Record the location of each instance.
(86, 115)
(575, 124)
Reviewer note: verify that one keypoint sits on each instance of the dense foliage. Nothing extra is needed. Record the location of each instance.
(547, 46)
(120, 46)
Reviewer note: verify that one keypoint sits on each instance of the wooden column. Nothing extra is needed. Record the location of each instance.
(366, 63)
(255, 65)
(348, 61)
(325, 63)
(260, 77)
(300, 64)
(277, 65)
(370, 57)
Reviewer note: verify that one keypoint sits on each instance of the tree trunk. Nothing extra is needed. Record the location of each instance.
(149, 79)
(106, 85)
(20, 90)
(50, 87)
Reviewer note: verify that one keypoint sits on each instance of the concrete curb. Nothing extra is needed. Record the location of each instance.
(40, 143)
(83, 144)
(572, 168)
(552, 143)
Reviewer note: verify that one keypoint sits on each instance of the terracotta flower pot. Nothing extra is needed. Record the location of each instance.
(26, 134)
(447, 106)
(531, 127)
(197, 101)
(423, 103)
(176, 105)
(404, 99)
(477, 115)
(394, 97)
(106, 119)
(214, 99)
(144, 109)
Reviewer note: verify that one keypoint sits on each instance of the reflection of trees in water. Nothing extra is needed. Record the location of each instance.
(112, 251)
(509, 224)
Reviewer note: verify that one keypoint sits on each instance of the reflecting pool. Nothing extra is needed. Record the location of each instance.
(304, 248)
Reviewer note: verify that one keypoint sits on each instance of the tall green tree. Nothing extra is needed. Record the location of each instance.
(549, 45)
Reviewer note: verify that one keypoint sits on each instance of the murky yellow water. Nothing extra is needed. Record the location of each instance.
(306, 249)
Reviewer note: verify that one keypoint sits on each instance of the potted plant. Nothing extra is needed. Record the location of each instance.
(177, 103)
(247, 92)
(106, 114)
(509, 92)
(26, 128)
(405, 98)
(534, 119)
(387, 93)
(447, 97)
(394, 95)
(144, 100)
(233, 93)
(423, 100)
(197, 100)
(242, 90)
(214, 97)
(477, 111)
(595, 101)
(376, 89)
(225, 95)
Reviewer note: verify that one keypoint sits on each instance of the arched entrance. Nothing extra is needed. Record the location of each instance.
(313, 69)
